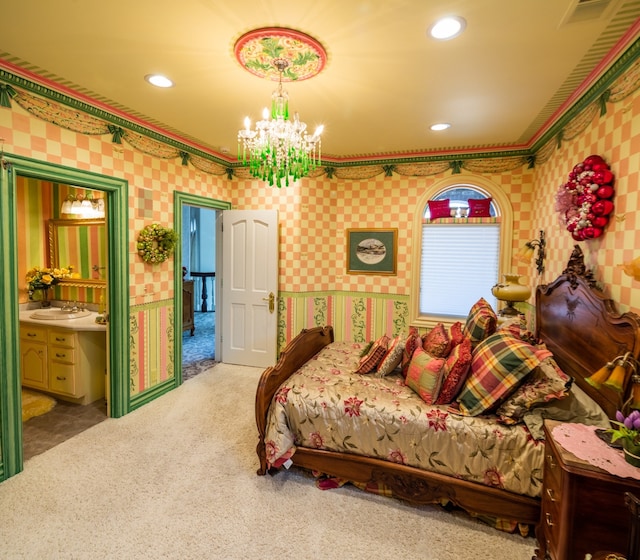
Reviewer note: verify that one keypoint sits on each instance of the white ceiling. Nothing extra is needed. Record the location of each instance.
(385, 82)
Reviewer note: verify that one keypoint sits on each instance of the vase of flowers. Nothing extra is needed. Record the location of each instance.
(43, 279)
(628, 432)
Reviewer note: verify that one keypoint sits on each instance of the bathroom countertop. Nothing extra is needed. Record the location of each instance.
(87, 323)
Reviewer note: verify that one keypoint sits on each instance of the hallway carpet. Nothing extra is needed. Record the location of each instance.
(198, 351)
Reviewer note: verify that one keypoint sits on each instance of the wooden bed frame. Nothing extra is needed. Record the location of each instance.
(578, 324)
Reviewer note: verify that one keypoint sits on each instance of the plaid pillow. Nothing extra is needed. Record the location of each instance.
(499, 364)
(481, 322)
(425, 374)
(369, 362)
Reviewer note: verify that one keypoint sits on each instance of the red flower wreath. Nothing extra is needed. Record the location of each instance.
(584, 201)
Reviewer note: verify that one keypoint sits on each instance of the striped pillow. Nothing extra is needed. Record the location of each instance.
(499, 364)
(369, 362)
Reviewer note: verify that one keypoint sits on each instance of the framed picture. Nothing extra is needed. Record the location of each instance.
(372, 251)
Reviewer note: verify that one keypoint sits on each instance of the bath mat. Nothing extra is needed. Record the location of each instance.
(35, 404)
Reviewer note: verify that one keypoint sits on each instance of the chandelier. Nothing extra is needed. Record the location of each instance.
(279, 148)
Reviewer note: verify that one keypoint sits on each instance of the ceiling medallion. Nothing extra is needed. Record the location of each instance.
(257, 49)
(279, 148)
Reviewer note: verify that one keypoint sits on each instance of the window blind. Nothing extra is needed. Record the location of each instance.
(460, 264)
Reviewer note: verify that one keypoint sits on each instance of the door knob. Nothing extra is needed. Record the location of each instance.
(272, 301)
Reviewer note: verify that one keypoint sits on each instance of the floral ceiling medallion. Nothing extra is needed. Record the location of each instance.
(257, 49)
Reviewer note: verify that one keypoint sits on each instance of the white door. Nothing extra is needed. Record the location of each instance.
(249, 287)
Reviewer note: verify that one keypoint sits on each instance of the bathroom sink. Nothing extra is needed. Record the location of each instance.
(58, 314)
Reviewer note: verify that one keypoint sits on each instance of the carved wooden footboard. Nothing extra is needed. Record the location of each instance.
(299, 351)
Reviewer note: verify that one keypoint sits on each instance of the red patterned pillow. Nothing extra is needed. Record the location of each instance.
(456, 371)
(425, 374)
(369, 362)
(479, 208)
(498, 366)
(455, 334)
(481, 322)
(436, 342)
(413, 341)
(439, 209)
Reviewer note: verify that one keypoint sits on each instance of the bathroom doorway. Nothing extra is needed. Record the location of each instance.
(72, 221)
(13, 215)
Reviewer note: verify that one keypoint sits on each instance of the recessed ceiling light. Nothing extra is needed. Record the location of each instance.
(439, 126)
(447, 28)
(159, 80)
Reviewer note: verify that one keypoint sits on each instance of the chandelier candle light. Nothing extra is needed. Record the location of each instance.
(279, 148)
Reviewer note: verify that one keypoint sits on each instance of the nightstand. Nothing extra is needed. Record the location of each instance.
(582, 509)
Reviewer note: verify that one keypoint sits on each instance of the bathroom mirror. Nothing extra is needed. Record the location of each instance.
(83, 245)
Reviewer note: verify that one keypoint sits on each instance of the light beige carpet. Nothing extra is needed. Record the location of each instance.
(35, 404)
(176, 479)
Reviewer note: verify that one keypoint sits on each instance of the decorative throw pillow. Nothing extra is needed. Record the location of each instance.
(392, 358)
(479, 208)
(481, 322)
(413, 341)
(369, 362)
(436, 342)
(546, 383)
(456, 370)
(517, 326)
(439, 209)
(455, 334)
(425, 374)
(499, 364)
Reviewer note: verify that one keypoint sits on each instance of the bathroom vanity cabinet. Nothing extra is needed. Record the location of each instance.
(70, 364)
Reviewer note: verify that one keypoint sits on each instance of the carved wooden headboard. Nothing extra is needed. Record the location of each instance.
(584, 330)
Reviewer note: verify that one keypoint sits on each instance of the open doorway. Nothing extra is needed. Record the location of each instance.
(114, 191)
(198, 241)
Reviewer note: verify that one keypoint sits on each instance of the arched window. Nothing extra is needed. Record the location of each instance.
(459, 257)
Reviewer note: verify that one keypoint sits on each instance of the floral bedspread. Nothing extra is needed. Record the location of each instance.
(326, 405)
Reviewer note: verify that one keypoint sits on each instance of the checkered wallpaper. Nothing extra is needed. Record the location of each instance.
(315, 214)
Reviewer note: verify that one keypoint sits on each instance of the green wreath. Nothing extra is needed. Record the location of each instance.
(156, 243)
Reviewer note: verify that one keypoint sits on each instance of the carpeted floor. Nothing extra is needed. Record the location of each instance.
(198, 351)
(176, 479)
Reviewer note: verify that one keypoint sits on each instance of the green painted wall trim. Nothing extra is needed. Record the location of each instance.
(151, 394)
(117, 289)
(10, 396)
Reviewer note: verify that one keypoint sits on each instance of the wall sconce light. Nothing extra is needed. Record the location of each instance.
(82, 207)
(632, 268)
(614, 373)
(526, 253)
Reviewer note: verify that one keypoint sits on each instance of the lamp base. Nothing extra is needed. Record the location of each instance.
(509, 310)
